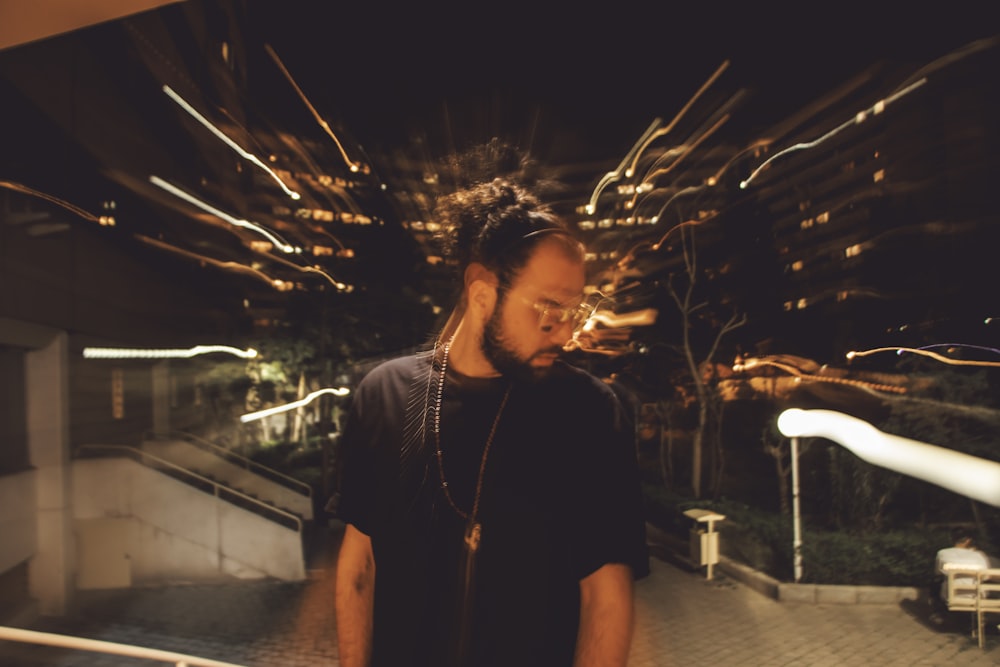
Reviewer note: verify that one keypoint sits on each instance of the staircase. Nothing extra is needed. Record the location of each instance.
(144, 519)
(233, 470)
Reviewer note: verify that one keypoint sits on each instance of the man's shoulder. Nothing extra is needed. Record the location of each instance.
(962, 557)
(401, 367)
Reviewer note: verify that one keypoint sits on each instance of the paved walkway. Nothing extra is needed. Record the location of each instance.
(682, 619)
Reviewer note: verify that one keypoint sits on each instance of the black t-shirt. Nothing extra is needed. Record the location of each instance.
(560, 498)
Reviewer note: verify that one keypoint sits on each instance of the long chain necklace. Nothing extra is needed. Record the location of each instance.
(473, 530)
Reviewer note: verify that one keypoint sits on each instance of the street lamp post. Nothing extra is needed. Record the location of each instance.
(796, 517)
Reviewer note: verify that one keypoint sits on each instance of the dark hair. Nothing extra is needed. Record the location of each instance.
(497, 224)
(961, 534)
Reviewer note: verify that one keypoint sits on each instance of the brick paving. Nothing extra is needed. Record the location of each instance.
(682, 619)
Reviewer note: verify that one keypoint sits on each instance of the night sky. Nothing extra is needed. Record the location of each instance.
(585, 82)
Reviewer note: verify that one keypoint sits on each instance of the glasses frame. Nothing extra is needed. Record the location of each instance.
(551, 315)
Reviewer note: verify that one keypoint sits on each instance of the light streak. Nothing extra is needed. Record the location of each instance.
(853, 354)
(24, 189)
(754, 362)
(693, 189)
(164, 353)
(967, 475)
(315, 269)
(260, 414)
(687, 150)
(279, 242)
(951, 345)
(666, 130)
(714, 178)
(351, 164)
(225, 266)
(859, 118)
(628, 257)
(616, 175)
(226, 140)
(610, 319)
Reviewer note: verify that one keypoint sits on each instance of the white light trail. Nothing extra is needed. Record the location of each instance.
(260, 414)
(853, 354)
(278, 242)
(229, 142)
(859, 118)
(964, 474)
(164, 353)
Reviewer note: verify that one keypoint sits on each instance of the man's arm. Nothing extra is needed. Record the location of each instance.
(354, 598)
(606, 617)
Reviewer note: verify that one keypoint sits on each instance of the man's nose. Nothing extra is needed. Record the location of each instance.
(560, 332)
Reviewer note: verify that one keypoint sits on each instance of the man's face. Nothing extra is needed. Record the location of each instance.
(515, 340)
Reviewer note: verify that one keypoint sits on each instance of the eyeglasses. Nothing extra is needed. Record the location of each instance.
(553, 315)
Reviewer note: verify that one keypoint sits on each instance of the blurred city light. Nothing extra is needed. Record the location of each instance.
(164, 353)
(260, 414)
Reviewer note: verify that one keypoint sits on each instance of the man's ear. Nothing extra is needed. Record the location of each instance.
(481, 288)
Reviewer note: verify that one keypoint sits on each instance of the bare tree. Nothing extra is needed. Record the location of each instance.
(690, 311)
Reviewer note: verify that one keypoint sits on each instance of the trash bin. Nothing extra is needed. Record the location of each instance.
(704, 539)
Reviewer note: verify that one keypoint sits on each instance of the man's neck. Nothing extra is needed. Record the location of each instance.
(466, 354)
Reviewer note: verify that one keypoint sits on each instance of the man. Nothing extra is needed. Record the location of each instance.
(962, 556)
(491, 498)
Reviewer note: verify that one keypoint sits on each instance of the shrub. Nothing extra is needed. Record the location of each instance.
(899, 557)
(763, 540)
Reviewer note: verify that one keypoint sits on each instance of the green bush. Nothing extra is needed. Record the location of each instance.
(899, 557)
(763, 540)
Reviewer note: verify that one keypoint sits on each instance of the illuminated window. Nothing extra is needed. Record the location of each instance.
(117, 393)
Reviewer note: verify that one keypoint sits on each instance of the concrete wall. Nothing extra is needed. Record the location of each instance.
(47, 404)
(237, 477)
(175, 532)
(18, 526)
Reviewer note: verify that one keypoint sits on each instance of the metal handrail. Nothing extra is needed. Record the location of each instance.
(98, 646)
(215, 485)
(248, 463)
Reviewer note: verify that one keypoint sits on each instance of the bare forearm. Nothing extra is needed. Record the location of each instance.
(606, 618)
(354, 600)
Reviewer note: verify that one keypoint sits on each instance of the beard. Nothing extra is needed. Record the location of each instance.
(507, 362)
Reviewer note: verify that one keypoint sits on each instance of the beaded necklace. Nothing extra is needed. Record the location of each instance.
(473, 530)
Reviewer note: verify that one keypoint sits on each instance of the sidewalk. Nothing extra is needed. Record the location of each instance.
(682, 619)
